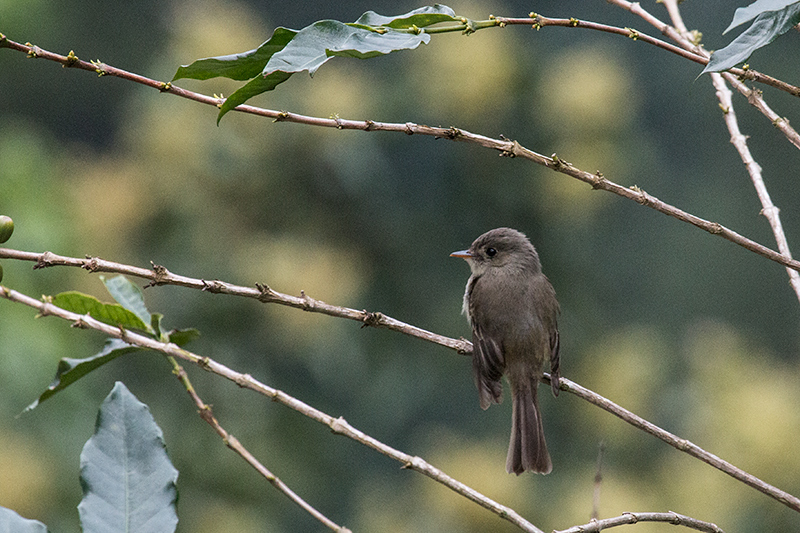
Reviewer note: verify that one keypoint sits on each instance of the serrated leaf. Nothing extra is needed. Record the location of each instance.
(129, 296)
(238, 67)
(127, 478)
(71, 370)
(746, 14)
(766, 28)
(111, 314)
(11, 522)
(314, 45)
(422, 17)
(181, 337)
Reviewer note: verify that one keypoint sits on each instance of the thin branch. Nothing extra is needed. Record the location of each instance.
(732, 76)
(205, 412)
(338, 426)
(739, 141)
(690, 52)
(538, 21)
(598, 482)
(680, 444)
(161, 276)
(768, 209)
(341, 427)
(506, 147)
(633, 518)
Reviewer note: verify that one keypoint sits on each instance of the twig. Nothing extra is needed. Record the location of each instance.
(598, 482)
(337, 425)
(633, 518)
(680, 444)
(732, 76)
(768, 209)
(161, 276)
(205, 412)
(739, 141)
(506, 147)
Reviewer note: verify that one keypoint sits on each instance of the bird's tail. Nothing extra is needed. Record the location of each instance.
(527, 451)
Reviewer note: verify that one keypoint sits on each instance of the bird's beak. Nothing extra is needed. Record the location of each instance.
(463, 254)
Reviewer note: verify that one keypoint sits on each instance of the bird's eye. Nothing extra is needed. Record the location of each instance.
(491, 252)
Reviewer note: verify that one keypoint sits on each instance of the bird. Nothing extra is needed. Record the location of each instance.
(513, 311)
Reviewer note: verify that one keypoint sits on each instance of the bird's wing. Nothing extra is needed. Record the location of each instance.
(488, 365)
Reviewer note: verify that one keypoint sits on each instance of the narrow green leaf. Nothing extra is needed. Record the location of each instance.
(111, 314)
(746, 14)
(422, 17)
(129, 296)
(127, 478)
(155, 323)
(239, 67)
(182, 337)
(71, 370)
(11, 522)
(766, 28)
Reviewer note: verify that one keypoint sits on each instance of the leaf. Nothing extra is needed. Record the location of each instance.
(237, 66)
(422, 17)
(111, 314)
(746, 14)
(308, 49)
(71, 370)
(129, 296)
(127, 478)
(12, 522)
(182, 337)
(766, 28)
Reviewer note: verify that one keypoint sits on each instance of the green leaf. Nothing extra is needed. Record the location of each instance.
(12, 522)
(371, 35)
(155, 323)
(71, 370)
(766, 28)
(422, 17)
(237, 66)
(181, 337)
(111, 314)
(256, 86)
(127, 478)
(129, 295)
(746, 14)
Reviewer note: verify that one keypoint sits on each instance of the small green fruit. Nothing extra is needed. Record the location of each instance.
(1, 272)
(6, 228)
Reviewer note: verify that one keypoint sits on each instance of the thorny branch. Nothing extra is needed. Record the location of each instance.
(506, 147)
(205, 412)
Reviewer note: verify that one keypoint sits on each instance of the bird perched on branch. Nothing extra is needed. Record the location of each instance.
(513, 311)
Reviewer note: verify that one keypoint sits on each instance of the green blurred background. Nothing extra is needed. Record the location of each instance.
(685, 329)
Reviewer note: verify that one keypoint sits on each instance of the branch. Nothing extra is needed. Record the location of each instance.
(768, 209)
(633, 518)
(506, 147)
(338, 426)
(205, 412)
(161, 276)
(679, 444)
(732, 76)
(690, 51)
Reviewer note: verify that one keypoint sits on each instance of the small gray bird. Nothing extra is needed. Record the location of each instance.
(513, 311)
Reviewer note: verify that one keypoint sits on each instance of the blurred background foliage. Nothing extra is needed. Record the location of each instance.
(687, 330)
